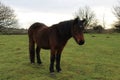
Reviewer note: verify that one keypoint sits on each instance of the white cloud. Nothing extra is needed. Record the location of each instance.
(54, 11)
(26, 17)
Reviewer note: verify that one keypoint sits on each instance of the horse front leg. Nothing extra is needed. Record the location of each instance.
(58, 58)
(52, 60)
(38, 55)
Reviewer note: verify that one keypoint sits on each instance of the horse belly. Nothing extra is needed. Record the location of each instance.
(44, 43)
(45, 48)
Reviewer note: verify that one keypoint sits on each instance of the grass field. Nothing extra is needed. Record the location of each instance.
(98, 59)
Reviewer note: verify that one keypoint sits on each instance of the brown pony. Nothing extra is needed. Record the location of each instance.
(54, 38)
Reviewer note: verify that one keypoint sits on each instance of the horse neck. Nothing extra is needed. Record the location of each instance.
(64, 29)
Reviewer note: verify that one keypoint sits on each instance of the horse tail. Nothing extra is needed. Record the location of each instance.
(32, 50)
(31, 46)
(32, 33)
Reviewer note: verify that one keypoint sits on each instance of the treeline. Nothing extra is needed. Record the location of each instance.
(15, 31)
(11, 31)
(103, 31)
(8, 22)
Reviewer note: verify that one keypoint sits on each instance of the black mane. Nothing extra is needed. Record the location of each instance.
(63, 28)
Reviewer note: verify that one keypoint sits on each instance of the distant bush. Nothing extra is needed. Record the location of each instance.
(100, 32)
(117, 27)
(98, 29)
(10, 31)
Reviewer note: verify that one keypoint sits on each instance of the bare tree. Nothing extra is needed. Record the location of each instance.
(7, 17)
(116, 12)
(88, 14)
(104, 23)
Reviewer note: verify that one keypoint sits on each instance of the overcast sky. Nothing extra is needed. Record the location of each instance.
(54, 11)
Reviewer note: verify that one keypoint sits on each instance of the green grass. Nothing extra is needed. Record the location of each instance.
(98, 59)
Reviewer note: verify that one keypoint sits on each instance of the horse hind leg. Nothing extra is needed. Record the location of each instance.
(32, 51)
(58, 58)
(38, 55)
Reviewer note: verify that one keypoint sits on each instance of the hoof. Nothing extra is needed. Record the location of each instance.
(52, 73)
(59, 70)
(32, 63)
(39, 62)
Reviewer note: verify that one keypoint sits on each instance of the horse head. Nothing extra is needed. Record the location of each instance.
(77, 30)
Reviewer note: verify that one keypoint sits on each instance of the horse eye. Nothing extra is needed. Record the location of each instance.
(80, 26)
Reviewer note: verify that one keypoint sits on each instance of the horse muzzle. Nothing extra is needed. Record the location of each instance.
(81, 42)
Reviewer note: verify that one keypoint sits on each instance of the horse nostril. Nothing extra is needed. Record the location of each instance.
(81, 42)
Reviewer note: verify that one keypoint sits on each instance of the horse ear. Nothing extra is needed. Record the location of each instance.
(84, 21)
(76, 20)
